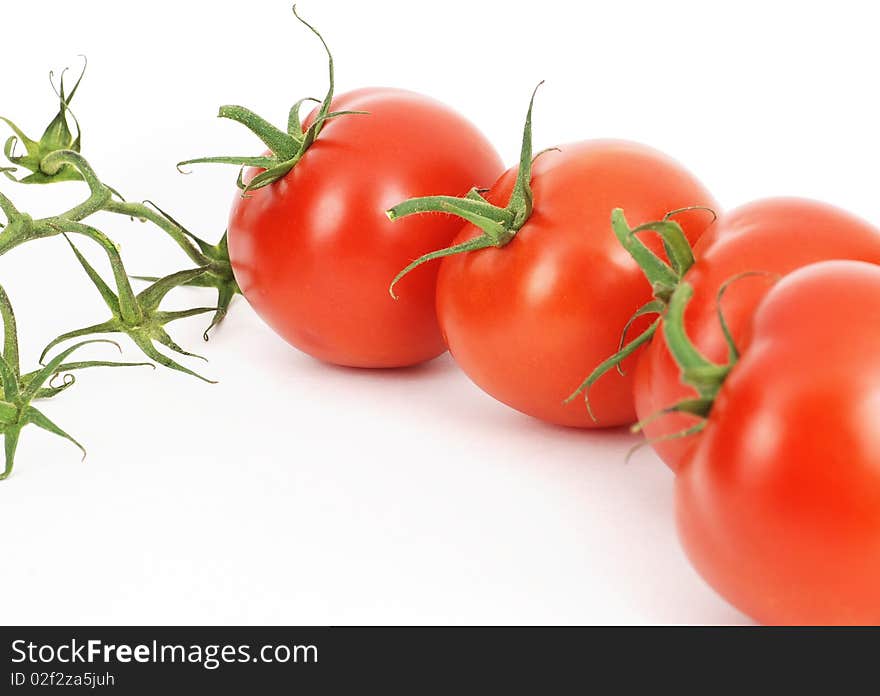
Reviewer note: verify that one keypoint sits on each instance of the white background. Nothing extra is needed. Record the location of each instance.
(298, 493)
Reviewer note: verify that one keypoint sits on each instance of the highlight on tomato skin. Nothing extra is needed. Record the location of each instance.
(765, 239)
(779, 506)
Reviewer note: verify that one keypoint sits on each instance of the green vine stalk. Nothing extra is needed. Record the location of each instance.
(56, 157)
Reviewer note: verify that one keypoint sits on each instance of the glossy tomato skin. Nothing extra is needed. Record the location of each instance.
(779, 507)
(314, 253)
(775, 236)
(529, 321)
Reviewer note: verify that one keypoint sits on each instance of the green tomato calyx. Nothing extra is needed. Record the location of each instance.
(58, 135)
(20, 390)
(499, 225)
(698, 372)
(286, 147)
(138, 315)
(664, 277)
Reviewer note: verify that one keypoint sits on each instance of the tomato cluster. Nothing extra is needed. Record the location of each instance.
(752, 371)
(382, 230)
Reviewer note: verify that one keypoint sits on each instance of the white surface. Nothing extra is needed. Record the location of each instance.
(294, 492)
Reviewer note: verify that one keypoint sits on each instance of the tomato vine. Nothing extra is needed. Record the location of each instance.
(56, 157)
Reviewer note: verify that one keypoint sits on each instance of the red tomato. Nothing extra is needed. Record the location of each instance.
(528, 321)
(314, 251)
(779, 506)
(776, 236)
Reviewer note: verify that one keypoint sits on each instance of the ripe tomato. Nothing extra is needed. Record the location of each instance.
(779, 506)
(309, 243)
(314, 251)
(528, 320)
(775, 236)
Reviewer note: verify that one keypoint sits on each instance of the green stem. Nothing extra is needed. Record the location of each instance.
(293, 127)
(287, 149)
(25, 229)
(129, 308)
(696, 370)
(655, 269)
(10, 334)
(145, 212)
(521, 199)
(610, 363)
(498, 224)
(472, 245)
(664, 278)
(279, 142)
(99, 193)
(9, 210)
(451, 204)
